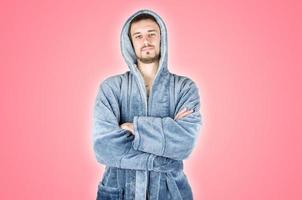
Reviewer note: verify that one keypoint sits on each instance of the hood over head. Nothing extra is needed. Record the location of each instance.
(128, 50)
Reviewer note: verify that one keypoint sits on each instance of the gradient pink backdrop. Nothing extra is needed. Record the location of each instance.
(244, 55)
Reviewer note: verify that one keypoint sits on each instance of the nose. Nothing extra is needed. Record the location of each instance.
(146, 40)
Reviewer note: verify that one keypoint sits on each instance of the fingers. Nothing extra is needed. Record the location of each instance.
(183, 113)
(180, 112)
(127, 126)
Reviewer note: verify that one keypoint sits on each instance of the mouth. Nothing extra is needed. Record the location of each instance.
(147, 48)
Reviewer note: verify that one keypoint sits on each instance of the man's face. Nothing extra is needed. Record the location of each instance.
(145, 36)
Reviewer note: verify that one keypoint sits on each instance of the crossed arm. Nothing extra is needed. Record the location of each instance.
(129, 126)
(157, 140)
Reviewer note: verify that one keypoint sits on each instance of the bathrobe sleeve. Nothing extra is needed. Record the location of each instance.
(112, 145)
(164, 136)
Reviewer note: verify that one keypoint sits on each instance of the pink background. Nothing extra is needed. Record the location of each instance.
(244, 55)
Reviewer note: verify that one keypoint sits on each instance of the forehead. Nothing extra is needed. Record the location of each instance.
(144, 25)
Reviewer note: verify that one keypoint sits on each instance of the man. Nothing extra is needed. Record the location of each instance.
(146, 121)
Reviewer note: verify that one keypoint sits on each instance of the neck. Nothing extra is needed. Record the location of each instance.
(148, 70)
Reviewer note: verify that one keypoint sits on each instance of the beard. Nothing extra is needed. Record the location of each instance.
(148, 59)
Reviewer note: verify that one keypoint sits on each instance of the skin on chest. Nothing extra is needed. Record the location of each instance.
(148, 84)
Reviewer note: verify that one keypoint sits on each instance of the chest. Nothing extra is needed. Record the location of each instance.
(158, 102)
(148, 85)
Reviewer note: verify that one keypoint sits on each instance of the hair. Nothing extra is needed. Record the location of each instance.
(138, 18)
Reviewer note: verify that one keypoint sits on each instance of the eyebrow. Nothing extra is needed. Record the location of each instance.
(152, 30)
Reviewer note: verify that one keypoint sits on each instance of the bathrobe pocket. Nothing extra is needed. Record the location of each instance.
(109, 193)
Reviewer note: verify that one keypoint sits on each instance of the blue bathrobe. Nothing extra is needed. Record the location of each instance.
(149, 163)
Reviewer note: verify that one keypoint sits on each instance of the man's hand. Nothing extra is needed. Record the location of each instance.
(128, 126)
(184, 112)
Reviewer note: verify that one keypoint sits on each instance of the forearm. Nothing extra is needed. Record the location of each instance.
(165, 136)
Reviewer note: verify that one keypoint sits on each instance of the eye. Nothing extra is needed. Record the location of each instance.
(138, 37)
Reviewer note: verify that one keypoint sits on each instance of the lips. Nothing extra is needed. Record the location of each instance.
(147, 48)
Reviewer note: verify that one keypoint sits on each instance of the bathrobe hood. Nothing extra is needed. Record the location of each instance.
(129, 53)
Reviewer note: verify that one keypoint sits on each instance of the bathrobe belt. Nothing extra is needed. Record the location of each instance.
(141, 186)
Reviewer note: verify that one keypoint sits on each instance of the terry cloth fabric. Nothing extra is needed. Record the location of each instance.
(148, 164)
